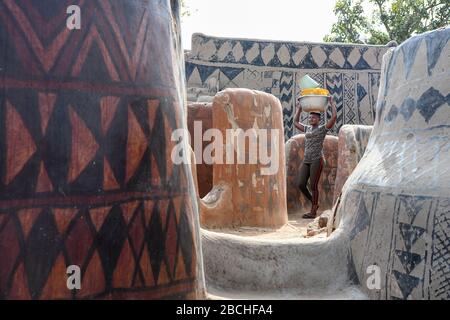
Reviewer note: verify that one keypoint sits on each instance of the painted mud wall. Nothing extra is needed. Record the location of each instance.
(350, 72)
(295, 150)
(201, 112)
(396, 204)
(248, 195)
(85, 171)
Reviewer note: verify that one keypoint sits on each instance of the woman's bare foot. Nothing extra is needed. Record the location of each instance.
(312, 214)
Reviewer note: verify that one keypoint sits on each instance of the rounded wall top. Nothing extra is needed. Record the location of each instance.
(414, 89)
(410, 139)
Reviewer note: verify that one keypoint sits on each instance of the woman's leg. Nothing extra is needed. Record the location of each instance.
(304, 173)
(315, 173)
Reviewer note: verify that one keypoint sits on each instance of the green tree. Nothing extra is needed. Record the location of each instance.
(185, 10)
(388, 20)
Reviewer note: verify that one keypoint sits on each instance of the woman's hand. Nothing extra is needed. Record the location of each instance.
(298, 105)
(332, 121)
(297, 123)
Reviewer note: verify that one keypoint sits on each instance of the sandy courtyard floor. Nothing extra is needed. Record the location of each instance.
(296, 228)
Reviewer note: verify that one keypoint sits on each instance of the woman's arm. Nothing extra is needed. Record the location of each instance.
(332, 121)
(297, 122)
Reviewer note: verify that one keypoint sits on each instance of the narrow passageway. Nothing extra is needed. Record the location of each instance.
(277, 265)
(295, 228)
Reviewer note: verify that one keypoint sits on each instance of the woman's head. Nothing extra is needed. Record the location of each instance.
(314, 118)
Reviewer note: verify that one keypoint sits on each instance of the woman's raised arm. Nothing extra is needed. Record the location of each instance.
(297, 122)
(332, 121)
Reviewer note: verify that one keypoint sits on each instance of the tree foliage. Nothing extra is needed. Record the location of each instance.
(185, 11)
(388, 20)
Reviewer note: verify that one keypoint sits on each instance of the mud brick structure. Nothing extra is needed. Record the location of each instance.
(392, 222)
(201, 113)
(242, 194)
(396, 204)
(295, 148)
(85, 173)
(352, 144)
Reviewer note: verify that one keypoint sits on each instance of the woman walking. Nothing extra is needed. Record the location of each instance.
(313, 161)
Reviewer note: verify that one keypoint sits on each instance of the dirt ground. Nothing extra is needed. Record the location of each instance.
(296, 228)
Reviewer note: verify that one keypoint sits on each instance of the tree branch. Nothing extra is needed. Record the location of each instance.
(383, 16)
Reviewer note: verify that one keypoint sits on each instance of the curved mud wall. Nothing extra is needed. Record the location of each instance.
(352, 144)
(251, 193)
(295, 149)
(200, 114)
(396, 204)
(86, 176)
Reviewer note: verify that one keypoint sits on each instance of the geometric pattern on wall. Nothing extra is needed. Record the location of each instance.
(440, 269)
(420, 56)
(426, 55)
(413, 227)
(349, 72)
(418, 258)
(85, 170)
(140, 235)
(411, 247)
(40, 43)
(109, 151)
(103, 143)
(427, 105)
(287, 55)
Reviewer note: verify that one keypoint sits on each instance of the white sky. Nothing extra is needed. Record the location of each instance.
(291, 20)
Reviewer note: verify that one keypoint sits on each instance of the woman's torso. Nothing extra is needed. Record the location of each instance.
(314, 138)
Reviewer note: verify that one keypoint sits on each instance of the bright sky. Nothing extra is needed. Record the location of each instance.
(292, 20)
